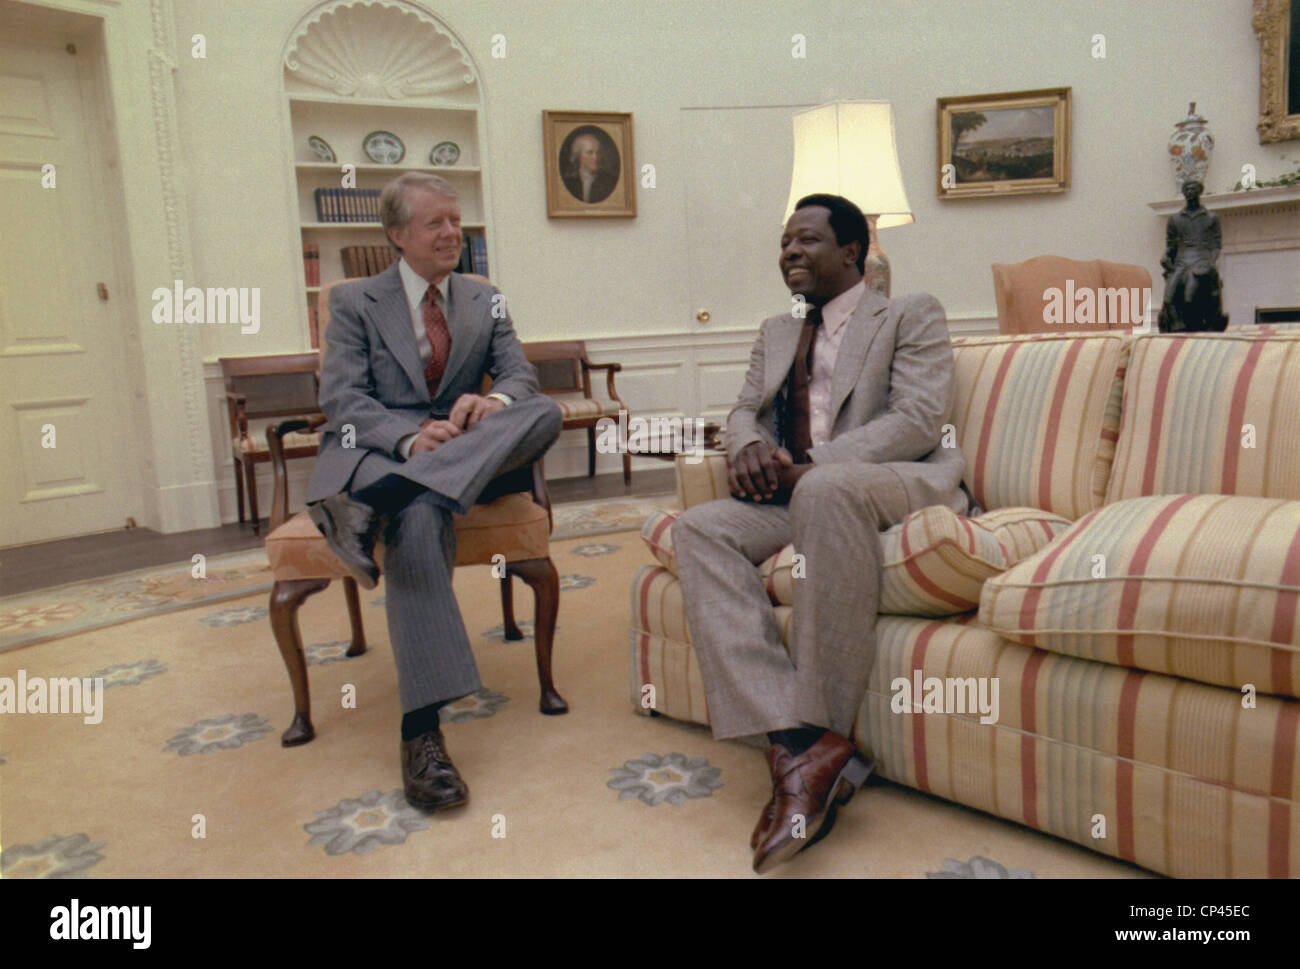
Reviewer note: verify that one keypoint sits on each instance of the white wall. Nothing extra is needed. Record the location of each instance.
(656, 59)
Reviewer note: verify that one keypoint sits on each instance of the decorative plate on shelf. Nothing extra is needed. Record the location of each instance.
(444, 153)
(384, 148)
(321, 149)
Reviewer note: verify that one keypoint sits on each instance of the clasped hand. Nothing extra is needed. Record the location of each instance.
(468, 410)
(761, 472)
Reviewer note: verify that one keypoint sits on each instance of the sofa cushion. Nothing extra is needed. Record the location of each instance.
(657, 533)
(1210, 414)
(934, 561)
(1199, 586)
(1037, 418)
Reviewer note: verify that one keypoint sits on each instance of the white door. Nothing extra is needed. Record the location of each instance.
(734, 224)
(733, 231)
(63, 400)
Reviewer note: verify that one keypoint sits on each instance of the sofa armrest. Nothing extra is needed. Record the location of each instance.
(700, 481)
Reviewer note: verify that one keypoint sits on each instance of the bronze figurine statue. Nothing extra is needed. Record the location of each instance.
(1193, 289)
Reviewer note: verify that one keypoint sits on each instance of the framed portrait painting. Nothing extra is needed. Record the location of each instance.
(589, 168)
(1004, 144)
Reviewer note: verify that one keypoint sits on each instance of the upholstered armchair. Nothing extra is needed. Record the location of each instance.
(565, 374)
(1020, 289)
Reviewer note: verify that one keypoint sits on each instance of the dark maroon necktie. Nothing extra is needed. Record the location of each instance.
(798, 410)
(435, 328)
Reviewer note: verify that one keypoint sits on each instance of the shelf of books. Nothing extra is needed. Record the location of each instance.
(345, 151)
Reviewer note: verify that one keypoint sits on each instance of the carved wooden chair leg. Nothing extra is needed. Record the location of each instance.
(250, 488)
(286, 597)
(541, 576)
(239, 489)
(512, 631)
(591, 451)
(627, 468)
(358, 645)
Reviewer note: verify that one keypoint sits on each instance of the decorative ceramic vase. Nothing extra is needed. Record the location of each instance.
(1190, 148)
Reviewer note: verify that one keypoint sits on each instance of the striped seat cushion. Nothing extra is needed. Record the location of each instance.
(1037, 418)
(572, 408)
(1200, 586)
(934, 561)
(1185, 779)
(1210, 414)
(256, 444)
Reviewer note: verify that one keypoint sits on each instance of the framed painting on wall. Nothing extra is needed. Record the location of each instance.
(1004, 144)
(589, 168)
(1277, 23)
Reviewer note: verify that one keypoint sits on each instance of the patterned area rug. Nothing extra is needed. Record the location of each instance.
(186, 776)
(38, 617)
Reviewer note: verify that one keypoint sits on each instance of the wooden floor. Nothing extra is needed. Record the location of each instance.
(41, 566)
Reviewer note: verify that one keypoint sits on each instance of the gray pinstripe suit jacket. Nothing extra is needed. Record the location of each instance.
(891, 393)
(373, 380)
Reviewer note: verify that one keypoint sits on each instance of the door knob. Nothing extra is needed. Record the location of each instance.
(702, 316)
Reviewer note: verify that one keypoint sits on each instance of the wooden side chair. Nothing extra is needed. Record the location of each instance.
(282, 385)
(565, 373)
(513, 519)
(1019, 287)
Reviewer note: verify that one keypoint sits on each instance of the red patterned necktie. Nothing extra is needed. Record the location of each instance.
(435, 327)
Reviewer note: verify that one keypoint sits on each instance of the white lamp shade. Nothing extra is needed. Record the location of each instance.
(848, 148)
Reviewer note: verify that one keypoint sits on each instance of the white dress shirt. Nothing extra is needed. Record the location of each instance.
(416, 288)
(835, 316)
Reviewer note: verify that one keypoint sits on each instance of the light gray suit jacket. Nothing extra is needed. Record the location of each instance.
(372, 377)
(891, 394)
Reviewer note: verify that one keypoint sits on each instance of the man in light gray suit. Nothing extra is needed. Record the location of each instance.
(835, 437)
(409, 440)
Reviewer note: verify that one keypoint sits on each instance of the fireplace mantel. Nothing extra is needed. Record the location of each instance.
(1260, 260)
(1259, 201)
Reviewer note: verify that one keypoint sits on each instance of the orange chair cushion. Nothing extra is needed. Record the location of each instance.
(514, 526)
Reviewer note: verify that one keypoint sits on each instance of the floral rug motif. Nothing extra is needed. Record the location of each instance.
(37, 617)
(977, 867)
(579, 518)
(362, 824)
(673, 778)
(52, 857)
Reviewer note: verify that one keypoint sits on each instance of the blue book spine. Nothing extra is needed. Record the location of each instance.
(478, 255)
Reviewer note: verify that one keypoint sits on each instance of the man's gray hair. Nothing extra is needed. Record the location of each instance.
(574, 146)
(395, 199)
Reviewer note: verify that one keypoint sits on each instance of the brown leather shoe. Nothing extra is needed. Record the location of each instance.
(812, 785)
(350, 528)
(430, 779)
(777, 763)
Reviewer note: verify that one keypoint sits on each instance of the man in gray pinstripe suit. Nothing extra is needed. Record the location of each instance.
(836, 436)
(409, 440)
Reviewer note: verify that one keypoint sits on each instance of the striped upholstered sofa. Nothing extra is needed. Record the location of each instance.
(1134, 591)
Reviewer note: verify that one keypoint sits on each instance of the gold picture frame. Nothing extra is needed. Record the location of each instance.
(1024, 148)
(590, 171)
(1279, 71)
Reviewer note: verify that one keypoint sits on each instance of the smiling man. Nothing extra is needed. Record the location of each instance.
(410, 440)
(835, 438)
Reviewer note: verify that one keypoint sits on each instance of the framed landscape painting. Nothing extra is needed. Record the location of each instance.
(1004, 144)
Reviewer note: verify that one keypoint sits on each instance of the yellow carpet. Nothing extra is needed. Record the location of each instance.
(122, 798)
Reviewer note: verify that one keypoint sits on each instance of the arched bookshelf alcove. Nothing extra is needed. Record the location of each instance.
(390, 75)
